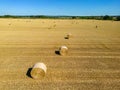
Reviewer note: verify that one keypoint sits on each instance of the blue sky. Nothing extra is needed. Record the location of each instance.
(60, 7)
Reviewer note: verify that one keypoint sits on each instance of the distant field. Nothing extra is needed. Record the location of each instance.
(93, 61)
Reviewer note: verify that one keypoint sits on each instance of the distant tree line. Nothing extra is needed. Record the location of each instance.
(106, 17)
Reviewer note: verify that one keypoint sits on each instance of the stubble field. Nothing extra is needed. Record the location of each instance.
(93, 61)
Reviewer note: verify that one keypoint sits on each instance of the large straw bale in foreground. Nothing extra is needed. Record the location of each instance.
(63, 50)
(38, 71)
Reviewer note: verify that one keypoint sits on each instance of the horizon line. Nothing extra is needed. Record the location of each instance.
(58, 15)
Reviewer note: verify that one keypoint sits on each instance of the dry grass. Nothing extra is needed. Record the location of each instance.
(93, 62)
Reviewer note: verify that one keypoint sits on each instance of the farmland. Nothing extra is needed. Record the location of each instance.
(92, 62)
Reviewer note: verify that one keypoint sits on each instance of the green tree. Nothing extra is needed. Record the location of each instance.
(106, 17)
(118, 18)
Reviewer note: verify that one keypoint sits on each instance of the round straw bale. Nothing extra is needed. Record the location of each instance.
(38, 71)
(69, 35)
(63, 50)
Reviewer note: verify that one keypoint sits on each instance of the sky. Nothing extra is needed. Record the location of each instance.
(60, 7)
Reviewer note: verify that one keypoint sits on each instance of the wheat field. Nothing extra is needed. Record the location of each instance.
(92, 62)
